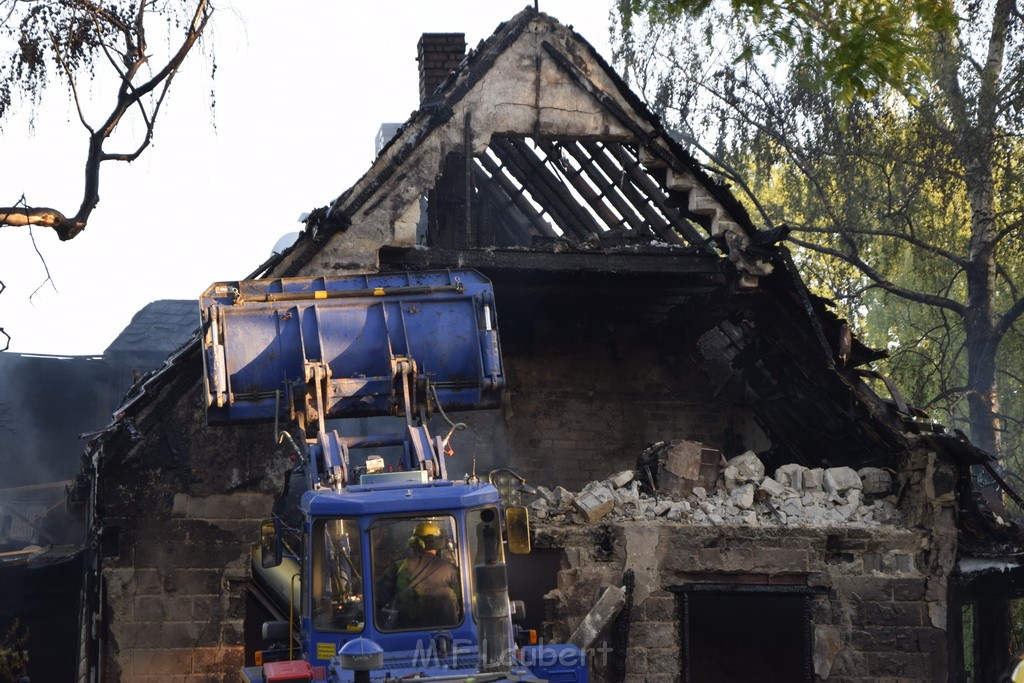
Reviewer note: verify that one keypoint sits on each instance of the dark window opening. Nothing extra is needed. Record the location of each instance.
(745, 633)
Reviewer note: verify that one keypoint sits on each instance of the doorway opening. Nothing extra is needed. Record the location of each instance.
(745, 633)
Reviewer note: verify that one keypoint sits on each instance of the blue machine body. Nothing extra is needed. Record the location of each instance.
(261, 334)
(307, 349)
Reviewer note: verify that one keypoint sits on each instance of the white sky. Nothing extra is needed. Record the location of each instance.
(300, 95)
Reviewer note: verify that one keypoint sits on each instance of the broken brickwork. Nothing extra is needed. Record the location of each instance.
(181, 511)
(875, 591)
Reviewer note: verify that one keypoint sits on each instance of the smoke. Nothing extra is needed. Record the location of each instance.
(47, 402)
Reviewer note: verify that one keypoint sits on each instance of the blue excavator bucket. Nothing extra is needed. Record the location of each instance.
(270, 344)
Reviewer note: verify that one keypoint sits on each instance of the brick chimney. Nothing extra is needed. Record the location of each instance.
(438, 54)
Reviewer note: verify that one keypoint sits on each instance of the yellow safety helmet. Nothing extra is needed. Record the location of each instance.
(427, 529)
(426, 536)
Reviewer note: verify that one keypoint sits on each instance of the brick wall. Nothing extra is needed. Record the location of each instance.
(181, 514)
(438, 54)
(575, 412)
(877, 594)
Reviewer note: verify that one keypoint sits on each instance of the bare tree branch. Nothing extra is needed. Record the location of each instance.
(71, 82)
(129, 96)
(882, 282)
(46, 268)
(1009, 318)
(917, 242)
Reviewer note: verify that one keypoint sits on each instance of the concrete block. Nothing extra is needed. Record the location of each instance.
(680, 468)
(841, 479)
(620, 479)
(771, 488)
(875, 481)
(748, 466)
(627, 494)
(813, 479)
(816, 515)
(547, 495)
(748, 518)
(812, 499)
(793, 508)
(563, 498)
(601, 614)
(791, 475)
(594, 504)
(731, 478)
(743, 497)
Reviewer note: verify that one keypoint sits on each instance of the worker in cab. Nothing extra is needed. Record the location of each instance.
(422, 589)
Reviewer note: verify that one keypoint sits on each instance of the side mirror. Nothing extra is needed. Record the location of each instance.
(517, 529)
(270, 543)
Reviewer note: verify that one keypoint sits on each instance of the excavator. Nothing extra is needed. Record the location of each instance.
(387, 569)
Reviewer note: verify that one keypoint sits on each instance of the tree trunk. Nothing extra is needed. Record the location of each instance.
(981, 338)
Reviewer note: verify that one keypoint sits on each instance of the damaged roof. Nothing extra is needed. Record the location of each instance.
(562, 151)
(535, 156)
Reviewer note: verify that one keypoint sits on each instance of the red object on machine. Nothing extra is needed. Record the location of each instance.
(294, 671)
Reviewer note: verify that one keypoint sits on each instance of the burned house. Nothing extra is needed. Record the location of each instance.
(642, 313)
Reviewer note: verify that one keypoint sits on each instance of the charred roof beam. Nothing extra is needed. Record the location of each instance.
(517, 227)
(516, 196)
(659, 225)
(584, 185)
(608, 188)
(531, 172)
(692, 272)
(639, 175)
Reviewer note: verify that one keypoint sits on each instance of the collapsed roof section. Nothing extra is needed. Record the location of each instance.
(534, 157)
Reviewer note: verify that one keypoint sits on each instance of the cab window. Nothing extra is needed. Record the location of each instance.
(417, 580)
(483, 528)
(337, 583)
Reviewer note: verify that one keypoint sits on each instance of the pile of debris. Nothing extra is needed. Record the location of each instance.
(741, 495)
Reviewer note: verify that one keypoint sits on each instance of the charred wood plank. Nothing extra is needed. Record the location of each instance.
(531, 172)
(597, 201)
(515, 194)
(607, 187)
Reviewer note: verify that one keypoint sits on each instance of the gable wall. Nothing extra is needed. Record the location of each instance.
(524, 93)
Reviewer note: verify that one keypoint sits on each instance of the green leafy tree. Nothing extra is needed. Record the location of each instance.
(128, 51)
(889, 136)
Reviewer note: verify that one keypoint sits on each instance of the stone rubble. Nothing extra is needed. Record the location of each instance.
(745, 495)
